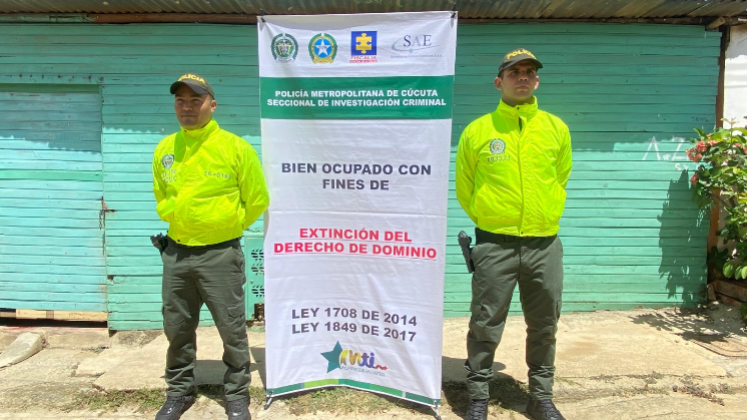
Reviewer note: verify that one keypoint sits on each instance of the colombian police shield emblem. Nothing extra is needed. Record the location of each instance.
(497, 146)
(167, 161)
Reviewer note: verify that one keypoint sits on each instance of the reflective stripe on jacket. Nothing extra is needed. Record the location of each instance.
(512, 167)
(208, 184)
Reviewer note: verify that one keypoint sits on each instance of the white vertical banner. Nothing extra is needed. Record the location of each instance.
(356, 132)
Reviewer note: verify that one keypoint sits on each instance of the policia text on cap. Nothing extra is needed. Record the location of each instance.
(209, 187)
(511, 171)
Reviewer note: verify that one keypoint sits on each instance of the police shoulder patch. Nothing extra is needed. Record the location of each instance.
(167, 161)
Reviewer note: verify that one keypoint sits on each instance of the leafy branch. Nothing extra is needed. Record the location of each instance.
(721, 178)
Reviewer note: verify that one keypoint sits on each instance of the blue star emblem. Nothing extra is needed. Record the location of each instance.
(322, 48)
(333, 357)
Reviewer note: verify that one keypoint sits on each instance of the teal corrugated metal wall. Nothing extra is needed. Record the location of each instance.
(51, 254)
(631, 95)
(134, 65)
(628, 92)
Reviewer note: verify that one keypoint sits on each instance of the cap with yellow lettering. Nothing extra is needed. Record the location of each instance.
(515, 56)
(195, 82)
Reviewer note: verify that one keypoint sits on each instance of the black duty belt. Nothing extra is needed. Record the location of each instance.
(226, 244)
(482, 236)
(494, 238)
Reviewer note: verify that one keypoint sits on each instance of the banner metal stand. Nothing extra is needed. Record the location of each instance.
(269, 400)
(434, 407)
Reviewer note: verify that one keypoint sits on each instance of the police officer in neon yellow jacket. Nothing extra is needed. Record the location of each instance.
(209, 187)
(511, 172)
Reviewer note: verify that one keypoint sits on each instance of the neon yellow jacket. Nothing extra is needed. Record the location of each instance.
(208, 184)
(512, 167)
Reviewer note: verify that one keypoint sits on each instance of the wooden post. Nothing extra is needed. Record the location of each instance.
(713, 239)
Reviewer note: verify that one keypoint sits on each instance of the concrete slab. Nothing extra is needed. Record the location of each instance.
(144, 368)
(594, 349)
(77, 340)
(6, 338)
(45, 375)
(23, 347)
(664, 407)
(134, 339)
(122, 346)
(594, 344)
(103, 362)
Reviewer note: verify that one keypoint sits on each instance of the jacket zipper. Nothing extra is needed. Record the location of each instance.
(521, 178)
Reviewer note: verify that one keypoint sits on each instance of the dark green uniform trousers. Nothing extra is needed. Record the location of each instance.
(213, 275)
(500, 262)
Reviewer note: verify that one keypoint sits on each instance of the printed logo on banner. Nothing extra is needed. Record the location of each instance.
(497, 146)
(284, 47)
(167, 161)
(347, 359)
(363, 47)
(412, 43)
(322, 48)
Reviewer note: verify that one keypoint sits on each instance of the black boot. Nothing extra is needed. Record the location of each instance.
(238, 409)
(543, 410)
(175, 407)
(478, 410)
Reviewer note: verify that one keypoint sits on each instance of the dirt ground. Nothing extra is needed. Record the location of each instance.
(46, 386)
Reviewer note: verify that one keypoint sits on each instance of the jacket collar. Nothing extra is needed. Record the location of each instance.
(527, 111)
(201, 133)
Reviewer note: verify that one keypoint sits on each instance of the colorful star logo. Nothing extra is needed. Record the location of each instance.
(333, 357)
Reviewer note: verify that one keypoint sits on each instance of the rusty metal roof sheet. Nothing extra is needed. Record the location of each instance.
(486, 9)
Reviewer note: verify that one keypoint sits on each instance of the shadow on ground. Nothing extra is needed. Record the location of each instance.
(258, 355)
(719, 321)
(506, 393)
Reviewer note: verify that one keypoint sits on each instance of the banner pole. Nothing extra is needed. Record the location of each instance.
(269, 400)
(436, 414)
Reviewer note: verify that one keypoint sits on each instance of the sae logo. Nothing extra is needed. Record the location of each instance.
(413, 43)
(363, 47)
